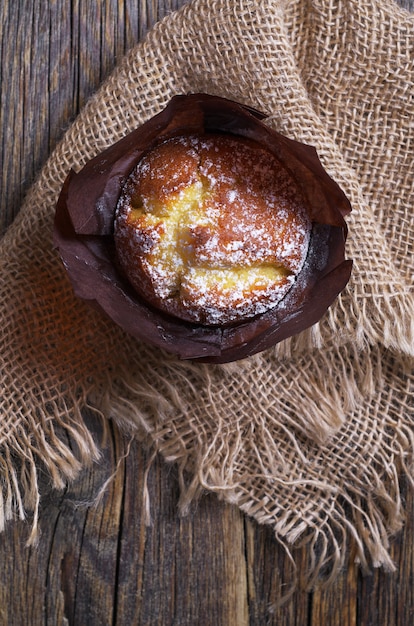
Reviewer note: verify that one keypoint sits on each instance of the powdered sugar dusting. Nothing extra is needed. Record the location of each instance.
(212, 228)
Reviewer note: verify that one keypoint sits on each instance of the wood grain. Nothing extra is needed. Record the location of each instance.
(102, 564)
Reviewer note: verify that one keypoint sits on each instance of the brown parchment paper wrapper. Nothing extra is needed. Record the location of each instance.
(314, 436)
(84, 228)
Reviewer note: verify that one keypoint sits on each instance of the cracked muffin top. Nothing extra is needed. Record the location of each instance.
(211, 228)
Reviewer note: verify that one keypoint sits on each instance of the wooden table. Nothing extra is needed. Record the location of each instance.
(103, 565)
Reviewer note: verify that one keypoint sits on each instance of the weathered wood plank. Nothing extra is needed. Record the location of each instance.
(389, 598)
(271, 595)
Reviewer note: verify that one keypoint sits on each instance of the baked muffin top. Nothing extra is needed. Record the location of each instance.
(211, 228)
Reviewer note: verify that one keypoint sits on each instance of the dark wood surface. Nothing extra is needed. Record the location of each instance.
(104, 565)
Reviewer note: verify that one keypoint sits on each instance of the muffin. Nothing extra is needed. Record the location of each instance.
(210, 229)
(205, 232)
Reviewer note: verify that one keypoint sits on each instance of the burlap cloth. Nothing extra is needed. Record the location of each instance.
(313, 437)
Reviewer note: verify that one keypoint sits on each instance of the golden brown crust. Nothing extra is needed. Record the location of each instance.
(211, 228)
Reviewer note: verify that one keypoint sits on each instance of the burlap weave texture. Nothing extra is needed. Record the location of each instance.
(313, 436)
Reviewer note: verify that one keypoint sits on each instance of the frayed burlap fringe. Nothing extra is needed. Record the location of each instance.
(35, 442)
(332, 495)
(312, 437)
